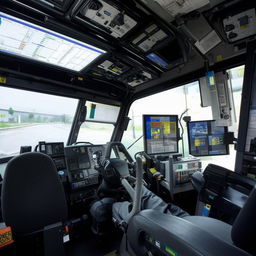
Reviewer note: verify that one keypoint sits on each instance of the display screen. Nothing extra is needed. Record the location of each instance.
(52, 149)
(170, 55)
(77, 158)
(21, 38)
(207, 139)
(158, 60)
(160, 133)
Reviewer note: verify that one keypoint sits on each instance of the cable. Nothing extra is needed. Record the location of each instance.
(182, 130)
(135, 141)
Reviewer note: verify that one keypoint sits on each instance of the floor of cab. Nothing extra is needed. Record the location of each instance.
(93, 246)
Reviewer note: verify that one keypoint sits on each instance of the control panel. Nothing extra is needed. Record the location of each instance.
(123, 70)
(178, 172)
(56, 151)
(240, 26)
(81, 161)
(184, 168)
(107, 16)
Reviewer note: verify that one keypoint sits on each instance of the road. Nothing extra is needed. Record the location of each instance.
(12, 139)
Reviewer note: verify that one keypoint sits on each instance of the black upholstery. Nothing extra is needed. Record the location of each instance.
(101, 212)
(197, 235)
(32, 195)
(215, 227)
(148, 201)
(183, 236)
(244, 227)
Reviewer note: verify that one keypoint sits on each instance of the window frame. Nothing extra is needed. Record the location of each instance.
(76, 126)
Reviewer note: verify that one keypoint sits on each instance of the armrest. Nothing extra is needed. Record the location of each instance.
(180, 235)
(198, 181)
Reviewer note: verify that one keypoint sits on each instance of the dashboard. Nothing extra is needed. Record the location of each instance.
(76, 166)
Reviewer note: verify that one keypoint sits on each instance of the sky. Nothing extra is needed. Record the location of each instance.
(21, 100)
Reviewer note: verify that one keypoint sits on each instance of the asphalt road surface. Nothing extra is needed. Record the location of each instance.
(12, 139)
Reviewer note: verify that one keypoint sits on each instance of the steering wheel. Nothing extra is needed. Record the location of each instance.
(115, 169)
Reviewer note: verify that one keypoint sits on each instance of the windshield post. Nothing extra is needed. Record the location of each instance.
(77, 122)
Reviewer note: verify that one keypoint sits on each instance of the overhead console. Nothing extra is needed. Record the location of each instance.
(240, 25)
(235, 22)
(107, 16)
(124, 70)
(110, 46)
(160, 46)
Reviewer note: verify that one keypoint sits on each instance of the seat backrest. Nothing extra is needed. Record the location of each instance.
(32, 194)
(244, 227)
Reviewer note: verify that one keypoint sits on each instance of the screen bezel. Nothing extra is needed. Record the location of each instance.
(189, 143)
(144, 133)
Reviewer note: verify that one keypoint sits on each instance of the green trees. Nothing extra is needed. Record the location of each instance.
(10, 111)
(30, 116)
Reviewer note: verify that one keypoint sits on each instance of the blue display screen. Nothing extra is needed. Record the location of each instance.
(156, 59)
(160, 134)
(207, 139)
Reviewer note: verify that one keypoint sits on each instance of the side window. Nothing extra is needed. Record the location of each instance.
(29, 117)
(169, 102)
(176, 101)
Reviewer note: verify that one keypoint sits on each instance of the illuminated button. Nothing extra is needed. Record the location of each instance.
(74, 185)
(61, 173)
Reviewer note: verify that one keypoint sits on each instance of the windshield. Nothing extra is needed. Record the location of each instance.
(28, 117)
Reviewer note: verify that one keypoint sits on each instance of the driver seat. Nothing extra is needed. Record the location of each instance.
(34, 204)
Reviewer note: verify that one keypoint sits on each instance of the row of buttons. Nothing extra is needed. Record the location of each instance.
(78, 176)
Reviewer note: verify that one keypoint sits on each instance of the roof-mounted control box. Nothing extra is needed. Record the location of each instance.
(106, 15)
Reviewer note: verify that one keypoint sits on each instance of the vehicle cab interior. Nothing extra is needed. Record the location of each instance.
(128, 128)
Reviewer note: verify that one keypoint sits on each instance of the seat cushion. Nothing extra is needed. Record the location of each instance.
(215, 227)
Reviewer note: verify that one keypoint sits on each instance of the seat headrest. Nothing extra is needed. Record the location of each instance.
(244, 227)
(32, 194)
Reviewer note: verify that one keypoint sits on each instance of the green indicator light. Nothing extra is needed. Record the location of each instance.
(211, 197)
(171, 251)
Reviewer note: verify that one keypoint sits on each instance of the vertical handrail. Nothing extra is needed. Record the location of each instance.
(138, 188)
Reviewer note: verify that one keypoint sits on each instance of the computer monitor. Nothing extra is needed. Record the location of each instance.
(21, 38)
(160, 134)
(207, 139)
